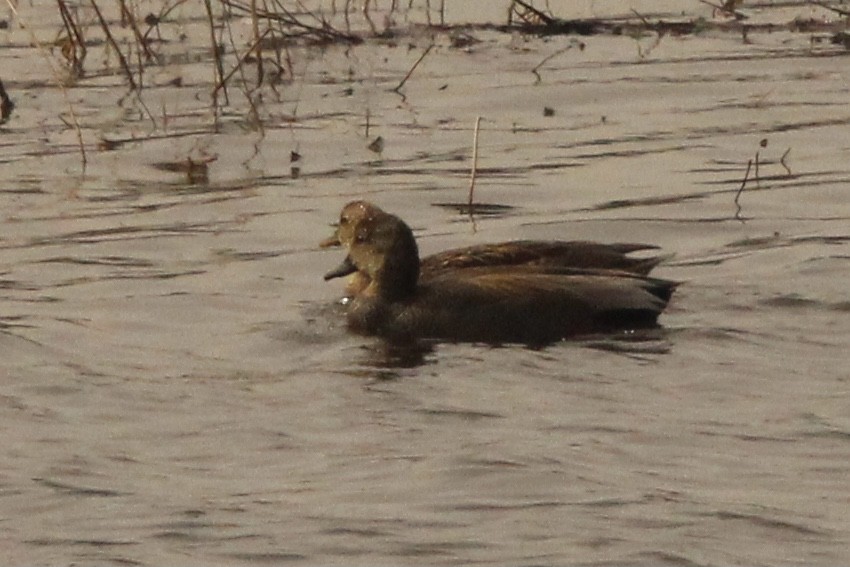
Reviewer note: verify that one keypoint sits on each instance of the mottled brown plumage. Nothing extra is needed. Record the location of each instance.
(530, 303)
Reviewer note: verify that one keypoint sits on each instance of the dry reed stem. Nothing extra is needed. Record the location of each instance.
(530, 15)
(255, 114)
(782, 161)
(218, 72)
(473, 174)
(161, 16)
(75, 37)
(127, 15)
(258, 48)
(114, 44)
(549, 58)
(368, 120)
(286, 17)
(368, 17)
(741, 190)
(726, 8)
(59, 82)
(238, 66)
(641, 18)
(413, 68)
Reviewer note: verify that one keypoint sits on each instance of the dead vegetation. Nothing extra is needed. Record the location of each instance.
(129, 41)
(754, 164)
(134, 39)
(728, 17)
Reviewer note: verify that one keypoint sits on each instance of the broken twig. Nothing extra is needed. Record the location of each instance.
(552, 56)
(415, 65)
(741, 190)
(782, 161)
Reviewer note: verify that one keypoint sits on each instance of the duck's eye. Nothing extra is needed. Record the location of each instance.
(361, 235)
(343, 220)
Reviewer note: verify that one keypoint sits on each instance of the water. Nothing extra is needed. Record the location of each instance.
(178, 385)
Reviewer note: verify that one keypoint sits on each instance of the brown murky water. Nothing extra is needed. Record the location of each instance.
(177, 387)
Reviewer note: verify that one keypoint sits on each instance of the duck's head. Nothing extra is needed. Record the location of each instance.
(382, 247)
(351, 214)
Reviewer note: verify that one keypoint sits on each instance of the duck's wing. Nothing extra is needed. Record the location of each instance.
(594, 290)
(577, 254)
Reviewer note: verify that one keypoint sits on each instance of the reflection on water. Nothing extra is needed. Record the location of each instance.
(179, 386)
(386, 356)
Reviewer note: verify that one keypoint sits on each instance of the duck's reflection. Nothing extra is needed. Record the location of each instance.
(384, 360)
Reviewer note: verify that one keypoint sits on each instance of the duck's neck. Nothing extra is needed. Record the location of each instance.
(399, 274)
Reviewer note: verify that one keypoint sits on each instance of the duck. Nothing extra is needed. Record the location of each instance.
(533, 304)
(572, 254)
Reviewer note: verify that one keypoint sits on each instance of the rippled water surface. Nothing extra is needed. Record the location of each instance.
(177, 386)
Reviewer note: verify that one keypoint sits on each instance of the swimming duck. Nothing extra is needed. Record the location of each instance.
(575, 254)
(532, 304)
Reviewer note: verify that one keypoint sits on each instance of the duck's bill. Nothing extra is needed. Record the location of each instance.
(331, 241)
(347, 267)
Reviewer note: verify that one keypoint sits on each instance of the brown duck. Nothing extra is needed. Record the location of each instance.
(570, 254)
(533, 304)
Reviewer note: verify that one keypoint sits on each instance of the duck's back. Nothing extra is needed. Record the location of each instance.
(575, 254)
